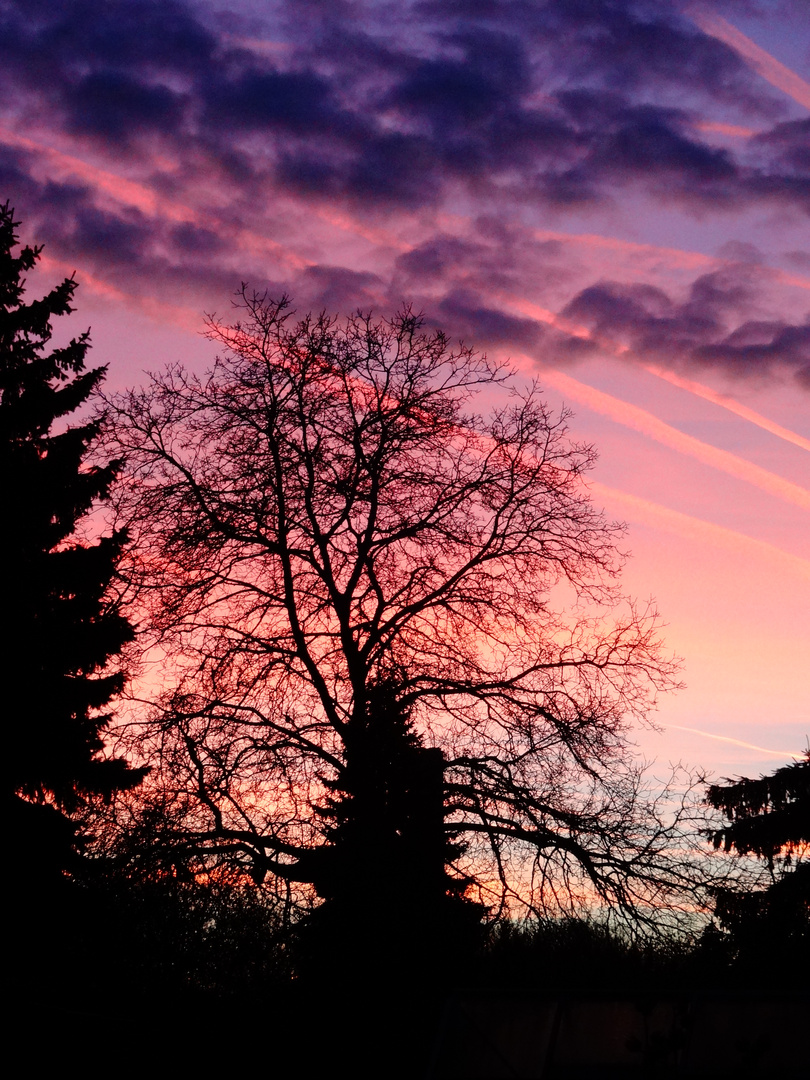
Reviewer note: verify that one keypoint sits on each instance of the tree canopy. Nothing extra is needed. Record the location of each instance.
(64, 628)
(324, 514)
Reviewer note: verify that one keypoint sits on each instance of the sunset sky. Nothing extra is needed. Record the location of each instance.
(613, 193)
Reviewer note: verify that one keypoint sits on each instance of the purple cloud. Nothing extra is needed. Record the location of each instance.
(508, 108)
(708, 329)
(350, 112)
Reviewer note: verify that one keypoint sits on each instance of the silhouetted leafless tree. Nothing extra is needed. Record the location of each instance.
(323, 515)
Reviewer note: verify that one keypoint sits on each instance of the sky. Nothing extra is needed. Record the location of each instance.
(614, 194)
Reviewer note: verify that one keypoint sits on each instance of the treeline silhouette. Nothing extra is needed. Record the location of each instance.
(312, 838)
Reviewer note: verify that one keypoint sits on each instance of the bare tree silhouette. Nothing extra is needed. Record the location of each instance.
(322, 516)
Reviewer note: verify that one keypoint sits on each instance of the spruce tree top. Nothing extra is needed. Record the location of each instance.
(63, 629)
(769, 815)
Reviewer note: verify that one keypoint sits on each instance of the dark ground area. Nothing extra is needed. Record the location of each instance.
(123, 983)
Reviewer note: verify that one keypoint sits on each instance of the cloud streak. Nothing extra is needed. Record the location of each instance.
(736, 742)
(701, 533)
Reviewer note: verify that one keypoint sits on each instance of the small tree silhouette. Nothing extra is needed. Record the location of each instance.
(62, 625)
(390, 900)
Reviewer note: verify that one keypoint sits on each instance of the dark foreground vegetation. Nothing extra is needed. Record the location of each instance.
(173, 969)
(381, 769)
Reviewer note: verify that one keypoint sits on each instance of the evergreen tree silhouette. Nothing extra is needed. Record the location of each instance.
(62, 629)
(769, 818)
(391, 907)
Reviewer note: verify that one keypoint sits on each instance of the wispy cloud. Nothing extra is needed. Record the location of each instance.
(699, 532)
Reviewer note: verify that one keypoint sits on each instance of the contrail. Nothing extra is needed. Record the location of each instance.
(729, 403)
(680, 257)
(534, 311)
(645, 423)
(653, 514)
(736, 742)
(760, 61)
